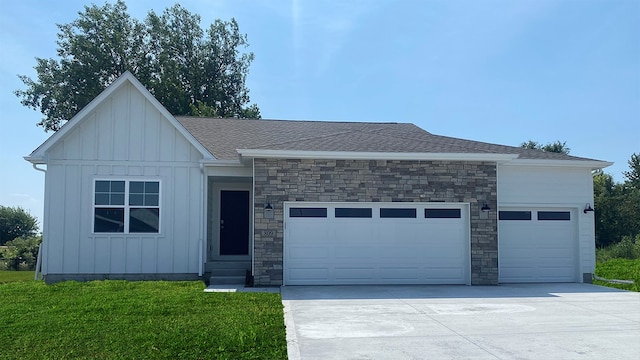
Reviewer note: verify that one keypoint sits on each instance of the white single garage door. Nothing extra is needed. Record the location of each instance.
(376, 243)
(537, 245)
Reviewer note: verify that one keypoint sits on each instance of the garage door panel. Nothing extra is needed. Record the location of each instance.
(400, 273)
(354, 273)
(537, 250)
(308, 273)
(378, 250)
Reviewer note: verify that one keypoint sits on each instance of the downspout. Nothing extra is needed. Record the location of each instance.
(39, 260)
(204, 221)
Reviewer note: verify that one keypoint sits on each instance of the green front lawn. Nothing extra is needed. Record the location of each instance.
(137, 320)
(620, 269)
(12, 276)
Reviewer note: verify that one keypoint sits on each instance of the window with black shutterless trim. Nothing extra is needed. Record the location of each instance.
(442, 213)
(397, 213)
(353, 212)
(554, 215)
(308, 212)
(514, 215)
(126, 206)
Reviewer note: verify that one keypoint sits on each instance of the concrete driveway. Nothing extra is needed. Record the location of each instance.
(537, 321)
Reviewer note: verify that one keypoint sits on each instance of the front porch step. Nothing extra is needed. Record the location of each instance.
(227, 272)
(226, 280)
(213, 266)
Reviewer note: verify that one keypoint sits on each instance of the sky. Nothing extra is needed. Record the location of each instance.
(498, 71)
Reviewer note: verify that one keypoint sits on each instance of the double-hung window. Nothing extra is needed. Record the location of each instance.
(126, 206)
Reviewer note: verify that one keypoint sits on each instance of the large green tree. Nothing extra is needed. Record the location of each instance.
(556, 147)
(190, 70)
(15, 222)
(633, 175)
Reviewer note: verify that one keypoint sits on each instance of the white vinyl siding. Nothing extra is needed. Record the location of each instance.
(125, 137)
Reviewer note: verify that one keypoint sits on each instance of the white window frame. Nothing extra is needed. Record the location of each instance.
(126, 206)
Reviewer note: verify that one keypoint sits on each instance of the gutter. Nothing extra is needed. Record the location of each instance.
(203, 218)
(361, 155)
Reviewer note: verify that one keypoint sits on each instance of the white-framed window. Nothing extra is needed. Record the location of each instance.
(126, 206)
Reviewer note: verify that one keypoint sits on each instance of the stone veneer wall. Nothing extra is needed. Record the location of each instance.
(279, 180)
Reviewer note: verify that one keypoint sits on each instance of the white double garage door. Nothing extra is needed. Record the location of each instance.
(400, 243)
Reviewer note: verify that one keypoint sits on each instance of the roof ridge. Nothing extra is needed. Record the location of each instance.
(304, 121)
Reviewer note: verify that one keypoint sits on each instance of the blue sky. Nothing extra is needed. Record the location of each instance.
(499, 71)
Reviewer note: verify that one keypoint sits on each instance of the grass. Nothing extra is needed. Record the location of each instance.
(12, 276)
(621, 269)
(137, 320)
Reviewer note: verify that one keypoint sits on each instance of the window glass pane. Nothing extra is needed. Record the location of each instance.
(103, 186)
(117, 199)
(442, 213)
(308, 212)
(102, 199)
(554, 215)
(398, 213)
(136, 199)
(514, 215)
(136, 187)
(108, 220)
(152, 187)
(151, 200)
(144, 220)
(353, 212)
(117, 186)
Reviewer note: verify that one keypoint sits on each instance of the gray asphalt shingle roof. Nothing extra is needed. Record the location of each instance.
(223, 137)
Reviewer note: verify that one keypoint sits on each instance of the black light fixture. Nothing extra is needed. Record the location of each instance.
(268, 206)
(587, 208)
(485, 208)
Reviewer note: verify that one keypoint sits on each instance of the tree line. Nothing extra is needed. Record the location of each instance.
(617, 205)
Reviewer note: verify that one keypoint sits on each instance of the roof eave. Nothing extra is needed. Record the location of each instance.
(358, 155)
(592, 164)
(35, 160)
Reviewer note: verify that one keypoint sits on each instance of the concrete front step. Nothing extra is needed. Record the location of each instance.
(229, 272)
(226, 280)
(212, 266)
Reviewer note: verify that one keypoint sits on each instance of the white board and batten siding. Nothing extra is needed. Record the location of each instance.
(559, 244)
(124, 138)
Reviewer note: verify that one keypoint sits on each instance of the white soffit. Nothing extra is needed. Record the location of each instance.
(592, 164)
(354, 155)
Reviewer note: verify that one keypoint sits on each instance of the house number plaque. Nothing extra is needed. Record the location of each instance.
(268, 233)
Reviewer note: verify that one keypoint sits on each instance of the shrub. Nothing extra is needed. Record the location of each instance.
(627, 248)
(20, 253)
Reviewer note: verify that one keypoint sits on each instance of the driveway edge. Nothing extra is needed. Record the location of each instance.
(293, 350)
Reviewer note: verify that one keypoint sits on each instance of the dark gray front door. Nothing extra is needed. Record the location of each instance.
(234, 222)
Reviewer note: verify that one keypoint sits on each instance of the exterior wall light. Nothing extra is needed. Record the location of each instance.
(268, 211)
(485, 208)
(587, 208)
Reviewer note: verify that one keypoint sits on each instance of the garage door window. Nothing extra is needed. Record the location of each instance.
(514, 215)
(554, 215)
(442, 213)
(353, 212)
(398, 213)
(308, 212)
